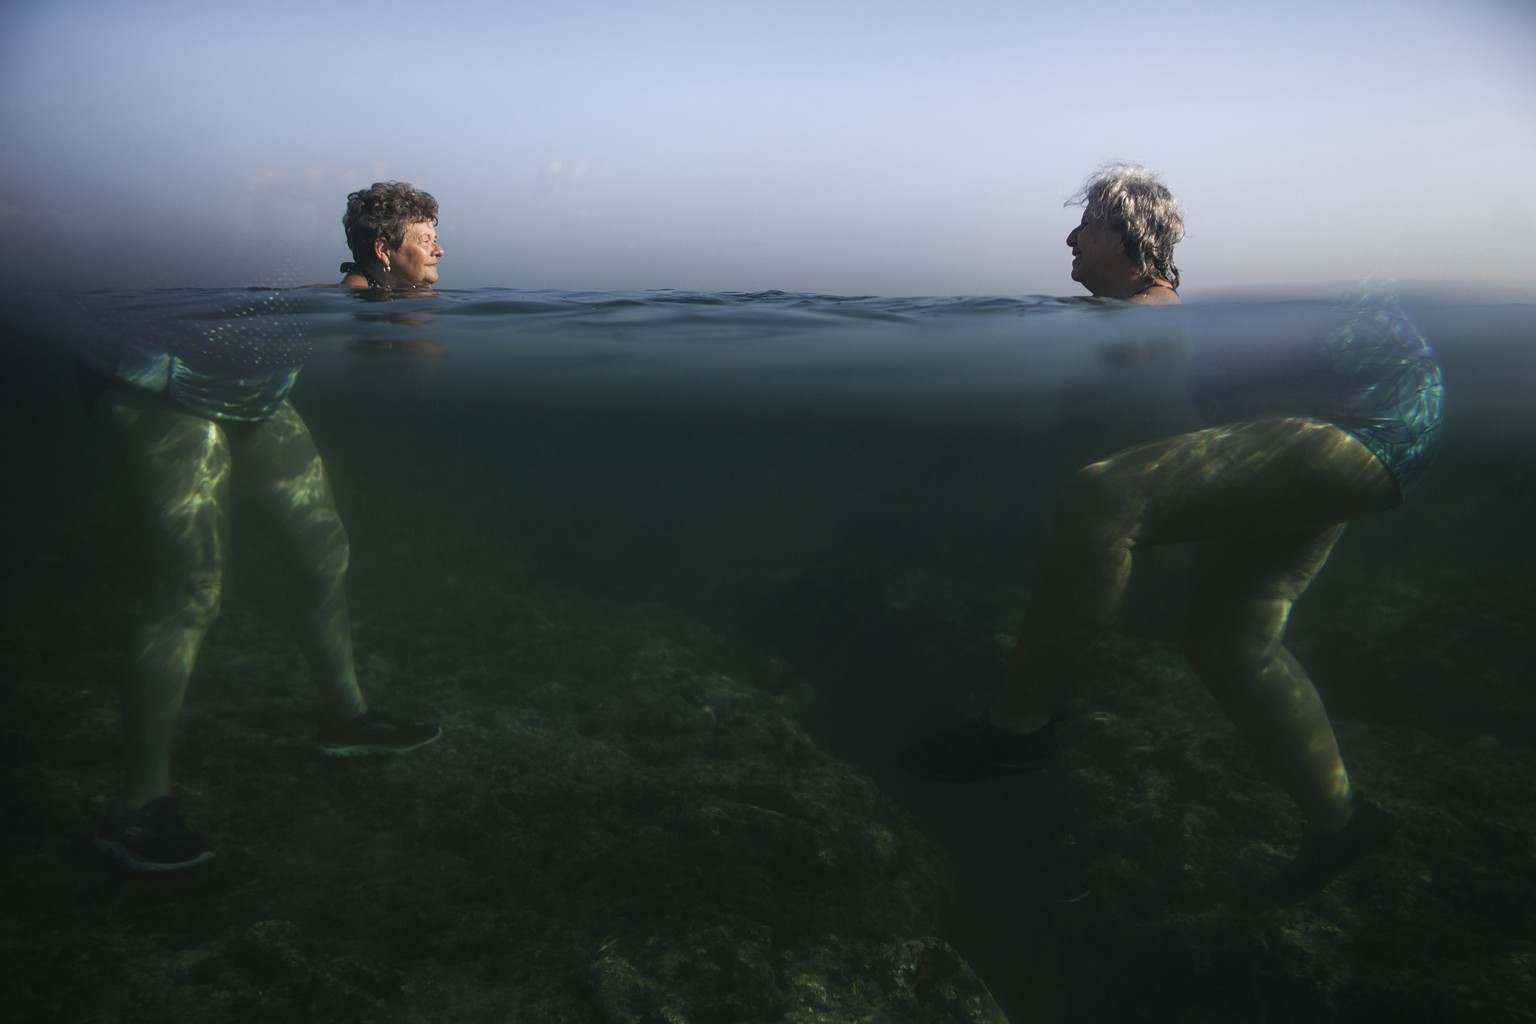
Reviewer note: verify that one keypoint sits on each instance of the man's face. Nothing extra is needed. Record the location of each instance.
(1099, 262)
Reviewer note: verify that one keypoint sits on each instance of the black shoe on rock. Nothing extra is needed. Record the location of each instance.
(1321, 859)
(374, 733)
(981, 751)
(152, 838)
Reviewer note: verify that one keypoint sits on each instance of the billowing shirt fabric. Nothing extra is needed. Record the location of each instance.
(1374, 377)
(232, 357)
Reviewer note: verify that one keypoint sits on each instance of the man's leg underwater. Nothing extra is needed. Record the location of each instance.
(1240, 601)
(1247, 480)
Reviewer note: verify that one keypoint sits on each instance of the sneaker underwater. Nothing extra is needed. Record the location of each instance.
(152, 838)
(374, 734)
(1321, 859)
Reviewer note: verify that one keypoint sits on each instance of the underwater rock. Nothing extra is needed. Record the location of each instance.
(631, 825)
(1178, 833)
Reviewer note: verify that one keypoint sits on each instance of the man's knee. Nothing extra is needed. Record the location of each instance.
(1221, 656)
(1101, 501)
(1211, 659)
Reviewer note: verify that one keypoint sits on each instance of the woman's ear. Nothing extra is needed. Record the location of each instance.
(381, 251)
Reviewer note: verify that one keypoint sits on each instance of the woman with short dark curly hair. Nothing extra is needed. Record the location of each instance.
(392, 231)
(197, 417)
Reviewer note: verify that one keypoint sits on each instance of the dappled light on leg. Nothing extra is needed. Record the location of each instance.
(178, 467)
(287, 483)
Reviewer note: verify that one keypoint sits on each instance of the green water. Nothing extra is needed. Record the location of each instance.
(835, 504)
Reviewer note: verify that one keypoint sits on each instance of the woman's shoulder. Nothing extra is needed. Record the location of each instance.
(354, 276)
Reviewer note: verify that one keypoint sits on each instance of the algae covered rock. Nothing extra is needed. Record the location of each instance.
(626, 821)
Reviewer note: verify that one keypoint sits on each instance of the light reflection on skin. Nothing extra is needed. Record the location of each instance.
(1267, 500)
(179, 466)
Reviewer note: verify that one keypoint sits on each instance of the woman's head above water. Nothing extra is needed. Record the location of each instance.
(1123, 248)
(392, 231)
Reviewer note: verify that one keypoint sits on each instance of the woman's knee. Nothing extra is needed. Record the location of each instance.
(191, 599)
(336, 558)
(320, 560)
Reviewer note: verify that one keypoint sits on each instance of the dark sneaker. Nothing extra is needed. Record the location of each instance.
(981, 751)
(374, 733)
(152, 838)
(1321, 859)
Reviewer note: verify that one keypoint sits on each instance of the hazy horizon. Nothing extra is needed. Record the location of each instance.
(844, 148)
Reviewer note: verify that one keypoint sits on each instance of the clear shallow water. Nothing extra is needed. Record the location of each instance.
(856, 485)
(893, 356)
(701, 448)
(707, 346)
(707, 450)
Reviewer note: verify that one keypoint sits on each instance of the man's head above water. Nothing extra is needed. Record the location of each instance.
(1123, 248)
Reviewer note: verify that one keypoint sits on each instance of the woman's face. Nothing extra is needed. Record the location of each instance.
(415, 262)
(1099, 262)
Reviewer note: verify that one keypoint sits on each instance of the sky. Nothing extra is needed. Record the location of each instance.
(839, 146)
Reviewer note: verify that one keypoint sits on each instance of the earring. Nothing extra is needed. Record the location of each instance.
(386, 266)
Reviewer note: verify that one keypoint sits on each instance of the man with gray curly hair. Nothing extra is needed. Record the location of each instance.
(1305, 435)
(1123, 248)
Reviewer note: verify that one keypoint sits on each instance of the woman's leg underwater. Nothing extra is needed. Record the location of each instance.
(282, 474)
(178, 468)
